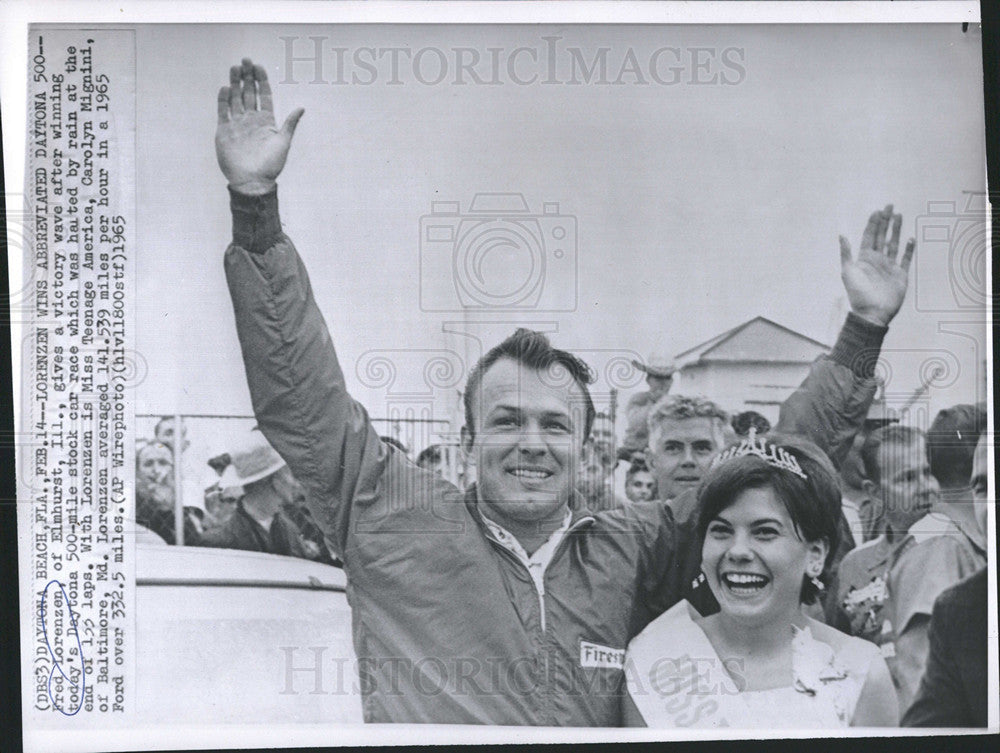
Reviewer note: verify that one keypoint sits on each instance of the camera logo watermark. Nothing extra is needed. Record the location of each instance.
(497, 256)
(950, 270)
(547, 61)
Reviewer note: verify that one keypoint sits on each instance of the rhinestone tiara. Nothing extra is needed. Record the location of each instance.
(771, 454)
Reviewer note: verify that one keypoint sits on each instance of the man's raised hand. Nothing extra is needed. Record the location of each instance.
(250, 149)
(875, 282)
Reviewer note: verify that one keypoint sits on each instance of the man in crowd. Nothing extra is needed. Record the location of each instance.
(165, 432)
(948, 545)
(685, 433)
(951, 445)
(898, 478)
(154, 495)
(640, 486)
(195, 477)
(595, 485)
(499, 605)
(260, 522)
(659, 371)
(953, 691)
(886, 588)
(980, 489)
(154, 463)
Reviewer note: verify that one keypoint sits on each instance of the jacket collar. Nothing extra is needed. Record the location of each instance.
(579, 519)
(960, 515)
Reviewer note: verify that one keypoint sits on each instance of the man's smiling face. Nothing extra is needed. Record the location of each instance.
(528, 441)
(907, 488)
(681, 452)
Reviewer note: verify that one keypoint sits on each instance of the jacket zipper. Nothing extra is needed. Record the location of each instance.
(540, 583)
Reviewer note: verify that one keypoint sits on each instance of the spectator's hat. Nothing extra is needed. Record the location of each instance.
(254, 459)
(657, 365)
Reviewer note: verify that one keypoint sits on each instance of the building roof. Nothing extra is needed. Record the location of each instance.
(757, 340)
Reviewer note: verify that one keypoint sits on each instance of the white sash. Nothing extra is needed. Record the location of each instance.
(676, 679)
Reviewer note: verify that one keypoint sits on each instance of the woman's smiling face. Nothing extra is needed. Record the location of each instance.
(755, 559)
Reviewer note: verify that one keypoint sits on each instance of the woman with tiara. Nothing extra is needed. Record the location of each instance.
(768, 514)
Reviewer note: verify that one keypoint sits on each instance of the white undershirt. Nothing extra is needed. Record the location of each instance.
(539, 560)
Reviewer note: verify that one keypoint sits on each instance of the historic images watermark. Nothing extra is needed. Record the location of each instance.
(545, 61)
(320, 670)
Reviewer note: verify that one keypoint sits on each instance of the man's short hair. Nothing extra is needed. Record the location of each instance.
(161, 422)
(430, 454)
(638, 466)
(679, 407)
(639, 463)
(951, 443)
(743, 422)
(534, 351)
(892, 434)
(140, 452)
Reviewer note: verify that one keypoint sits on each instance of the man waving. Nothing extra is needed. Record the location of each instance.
(498, 605)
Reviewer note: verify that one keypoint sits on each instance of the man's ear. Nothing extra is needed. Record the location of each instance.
(871, 489)
(650, 462)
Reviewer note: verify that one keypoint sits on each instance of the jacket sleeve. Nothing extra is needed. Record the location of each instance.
(296, 383)
(661, 567)
(940, 700)
(830, 406)
(912, 648)
(920, 575)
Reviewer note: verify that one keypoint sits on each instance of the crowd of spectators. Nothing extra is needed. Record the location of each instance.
(254, 504)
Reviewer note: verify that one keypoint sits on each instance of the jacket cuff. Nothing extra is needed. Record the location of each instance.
(256, 223)
(859, 345)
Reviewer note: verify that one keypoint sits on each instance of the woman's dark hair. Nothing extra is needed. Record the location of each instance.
(813, 503)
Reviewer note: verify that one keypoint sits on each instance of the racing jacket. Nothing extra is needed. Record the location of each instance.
(448, 625)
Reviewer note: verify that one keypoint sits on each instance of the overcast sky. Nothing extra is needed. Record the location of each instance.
(696, 206)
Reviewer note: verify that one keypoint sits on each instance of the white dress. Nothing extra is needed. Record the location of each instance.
(676, 679)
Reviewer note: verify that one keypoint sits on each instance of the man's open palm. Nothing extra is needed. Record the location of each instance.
(875, 282)
(250, 149)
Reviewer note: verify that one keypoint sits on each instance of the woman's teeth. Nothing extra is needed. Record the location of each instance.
(744, 583)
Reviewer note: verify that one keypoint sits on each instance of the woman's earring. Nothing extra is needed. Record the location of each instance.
(817, 583)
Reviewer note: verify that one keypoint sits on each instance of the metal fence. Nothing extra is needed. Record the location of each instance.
(208, 435)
